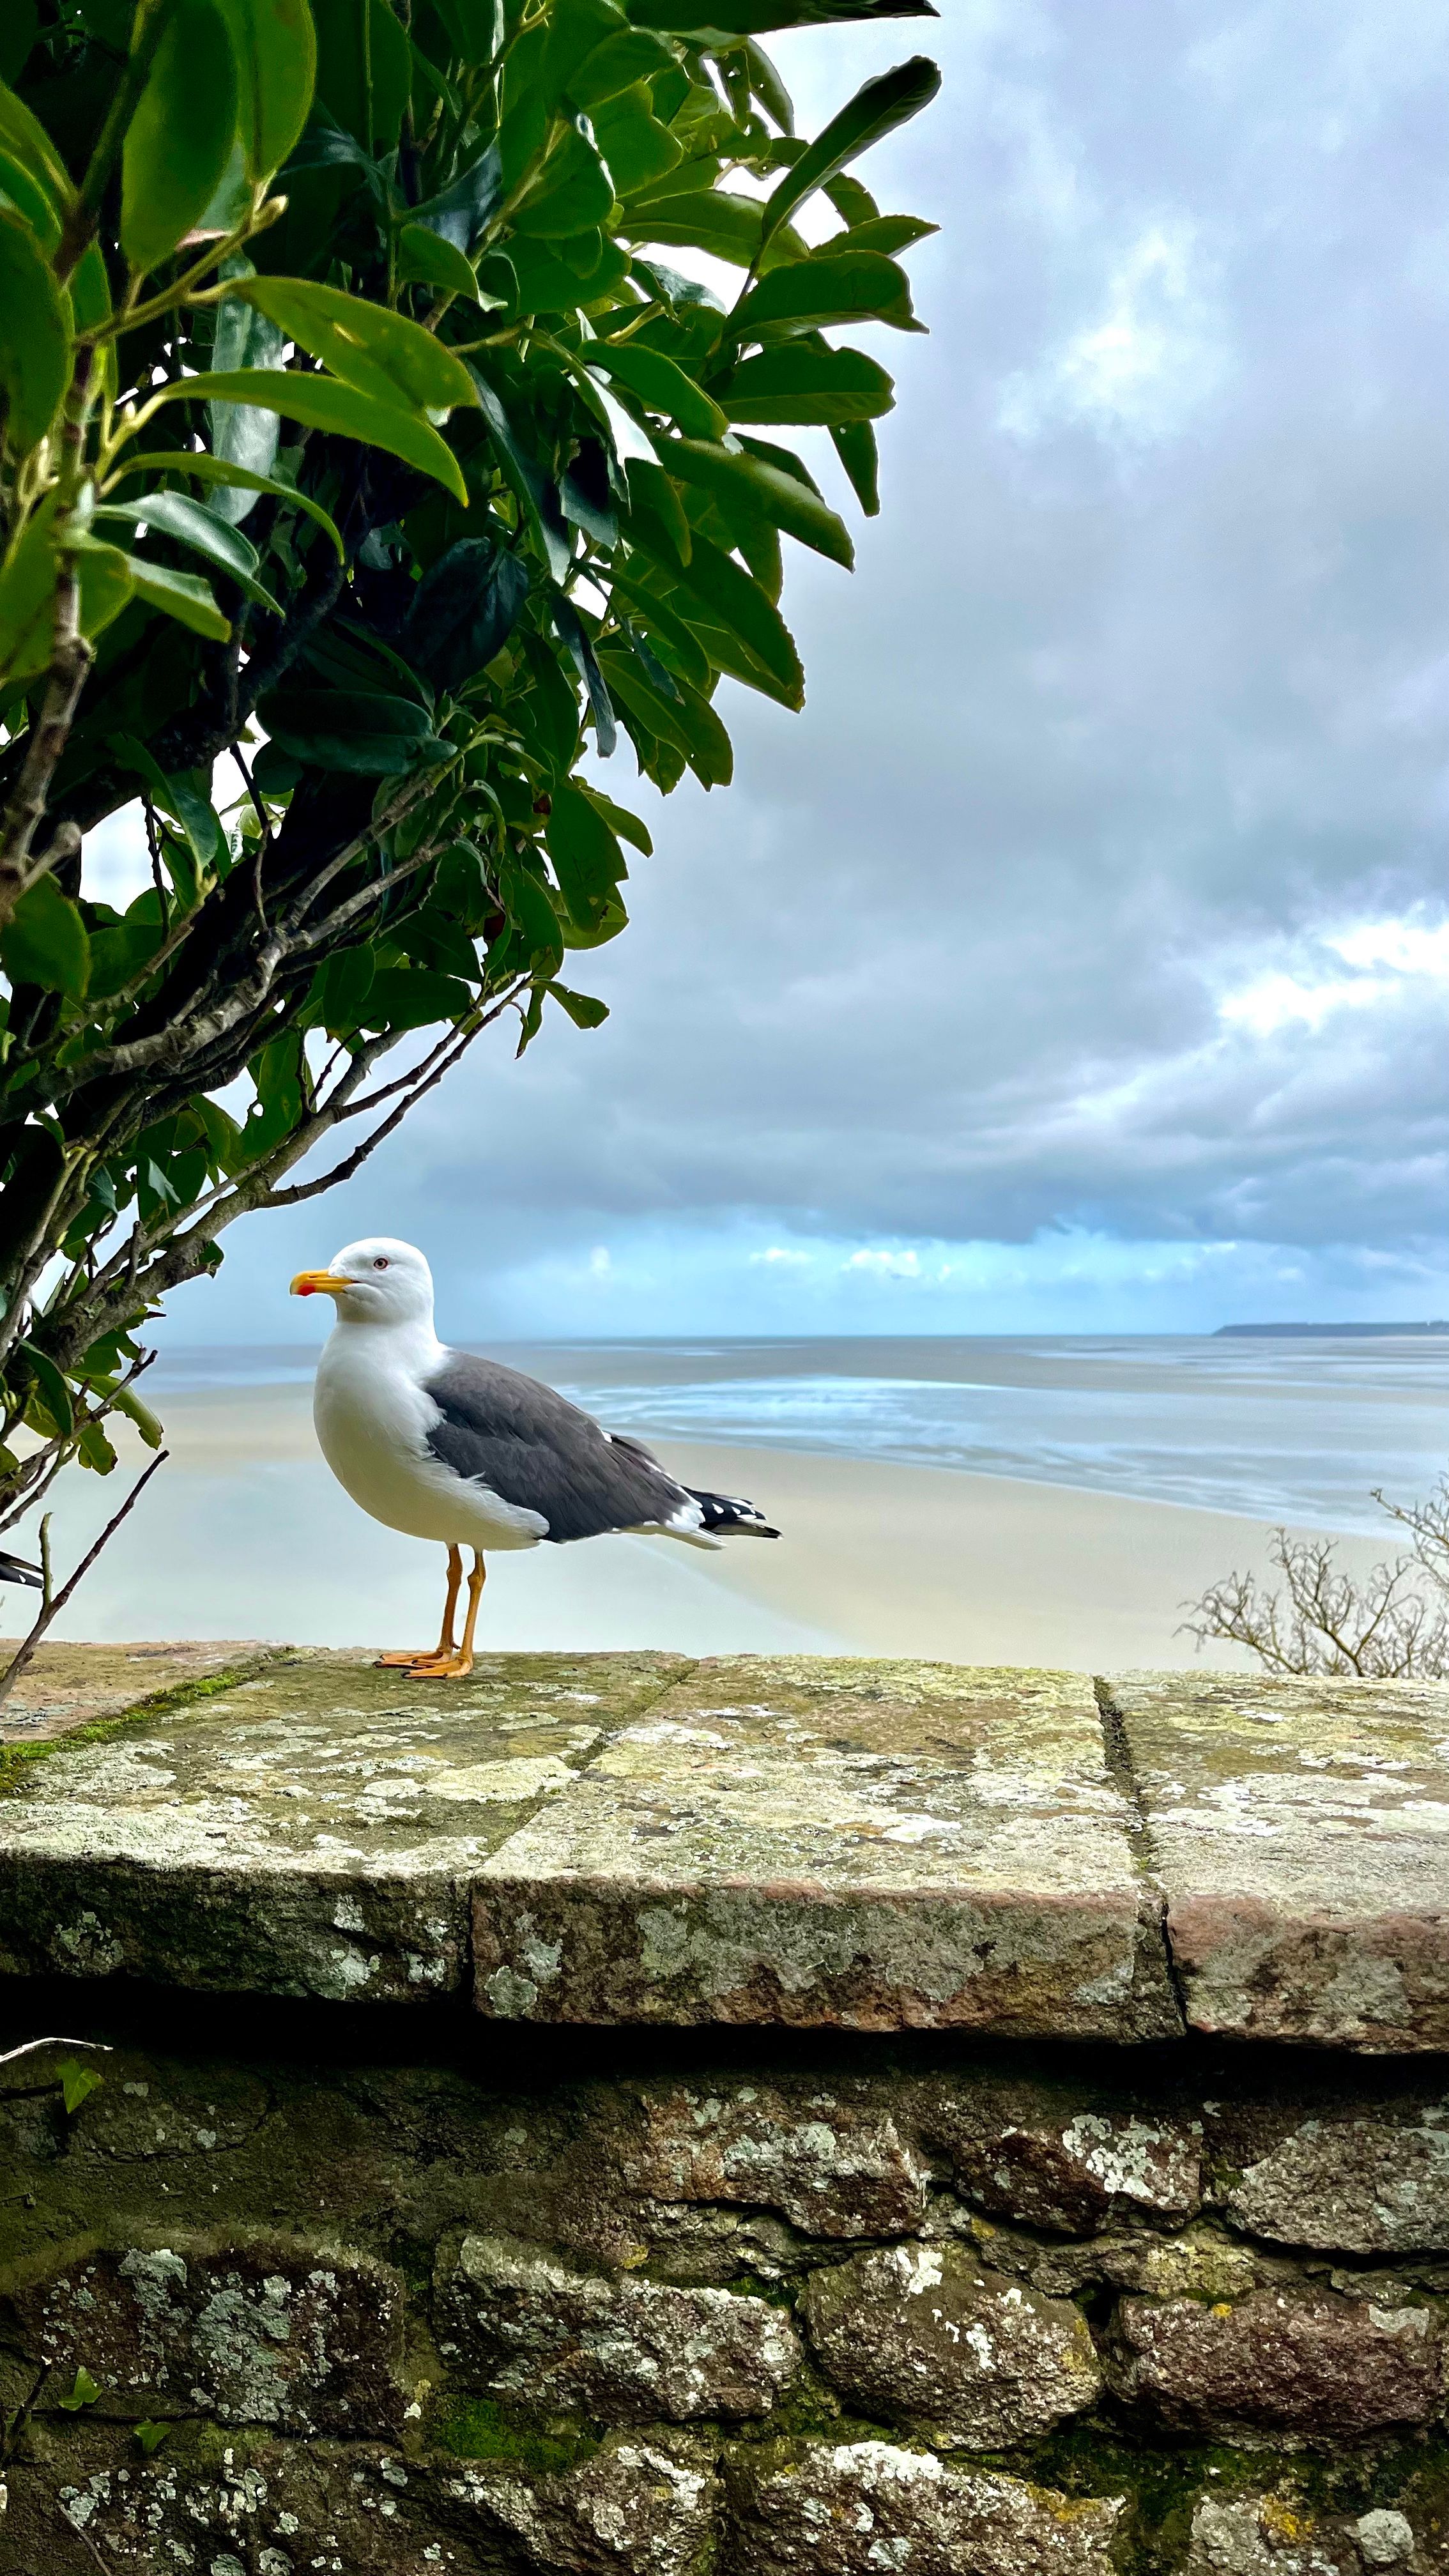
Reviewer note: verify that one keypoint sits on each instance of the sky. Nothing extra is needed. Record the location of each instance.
(1079, 960)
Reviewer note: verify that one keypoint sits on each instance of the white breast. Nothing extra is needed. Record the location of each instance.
(373, 1417)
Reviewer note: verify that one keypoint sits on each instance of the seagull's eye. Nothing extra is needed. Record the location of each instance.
(379, 1265)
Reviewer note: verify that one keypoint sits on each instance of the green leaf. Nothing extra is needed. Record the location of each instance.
(383, 354)
(587, 859)
(413, 997)
(854, 286)
(275, 47)
(854, 442)
(365, 731)
(341, 991)
(219, 469)
(426, 258)
(529, 909)
(682, 647)
(658, 384)
(77, 2082)
(582, 1008)
(182, 595)
(688, 721)
(320, 402)
(84, 2392)
(616, 65)
(776, 496)
(125, 1400)
(534, 489)
(54, 1392)
(45, 942)
(192, 524)
(185, 799)
(628, 826)
(888, 233)
(364, 69)
(637, 149)
(240, 435)
(464, 610)
(180, 138)
(734, 602)
(27, 594)
(150, 2435)
(709, 219)
(35, 336)
(877, 108)
(30, 198)
(656, 513)
(767, 86)
(799, 385)
(461, 212)
(577, 643)
(574, 192)
(535, 279)
(24, 139)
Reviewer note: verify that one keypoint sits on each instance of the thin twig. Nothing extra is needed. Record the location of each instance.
(51, 1609)
(78, 2532)
(263, 849)
(29, 2048)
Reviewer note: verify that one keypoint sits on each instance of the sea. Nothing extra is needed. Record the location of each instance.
(1289, 1429)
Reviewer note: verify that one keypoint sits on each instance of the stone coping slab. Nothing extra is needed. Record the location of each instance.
(314, 1831)
(803, 1840)
(69, 1686)
(869, 1845)
(1300, 1832)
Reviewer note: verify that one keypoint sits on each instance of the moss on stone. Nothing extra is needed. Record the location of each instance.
(477, 2428)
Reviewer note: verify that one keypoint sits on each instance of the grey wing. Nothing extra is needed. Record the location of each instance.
(532, 1447)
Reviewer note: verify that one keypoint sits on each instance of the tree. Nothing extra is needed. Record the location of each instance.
(1392, 1625)
(360, 446)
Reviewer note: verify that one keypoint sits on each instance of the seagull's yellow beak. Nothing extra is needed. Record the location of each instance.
(319, 1283)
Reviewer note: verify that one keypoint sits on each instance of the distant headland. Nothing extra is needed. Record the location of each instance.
(1324, 1332)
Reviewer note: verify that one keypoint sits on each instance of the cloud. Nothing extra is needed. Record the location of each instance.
(1098, 897)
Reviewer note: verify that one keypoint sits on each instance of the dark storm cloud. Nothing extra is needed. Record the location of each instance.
(1135, 704)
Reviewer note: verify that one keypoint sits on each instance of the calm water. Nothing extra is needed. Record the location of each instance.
(1298, 1430)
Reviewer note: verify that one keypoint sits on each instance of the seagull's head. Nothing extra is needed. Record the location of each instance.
(377, 1281)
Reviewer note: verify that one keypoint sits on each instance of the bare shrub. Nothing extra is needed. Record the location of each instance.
(1390, 1624)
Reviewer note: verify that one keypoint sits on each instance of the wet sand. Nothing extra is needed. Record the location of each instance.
(245, 1534)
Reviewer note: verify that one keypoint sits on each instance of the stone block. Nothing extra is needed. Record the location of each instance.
(1299, 2361)
(833, 2168)
(1352, 2186)
(631, 2510)
(1273, 2535)
(1300, 1831)
(313, 1832)
(924, 2336)
(866, 1846)
(1071, 2174)
(538, 2334)
(258, 2508)
(861, 2508)
(255, 2335)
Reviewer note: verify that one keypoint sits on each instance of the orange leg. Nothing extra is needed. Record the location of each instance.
(459, 1665)
(444, 1651)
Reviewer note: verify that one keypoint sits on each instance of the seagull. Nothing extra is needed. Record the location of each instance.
(447, 1446)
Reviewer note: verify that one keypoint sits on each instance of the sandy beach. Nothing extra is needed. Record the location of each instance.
(245, 1534)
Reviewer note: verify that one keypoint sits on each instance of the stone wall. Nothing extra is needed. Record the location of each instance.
(351, 2264)
(928, 2308)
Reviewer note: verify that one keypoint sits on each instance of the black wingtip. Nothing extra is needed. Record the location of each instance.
(15, 1569)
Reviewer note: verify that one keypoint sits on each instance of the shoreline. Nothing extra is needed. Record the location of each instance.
(245, 1534)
